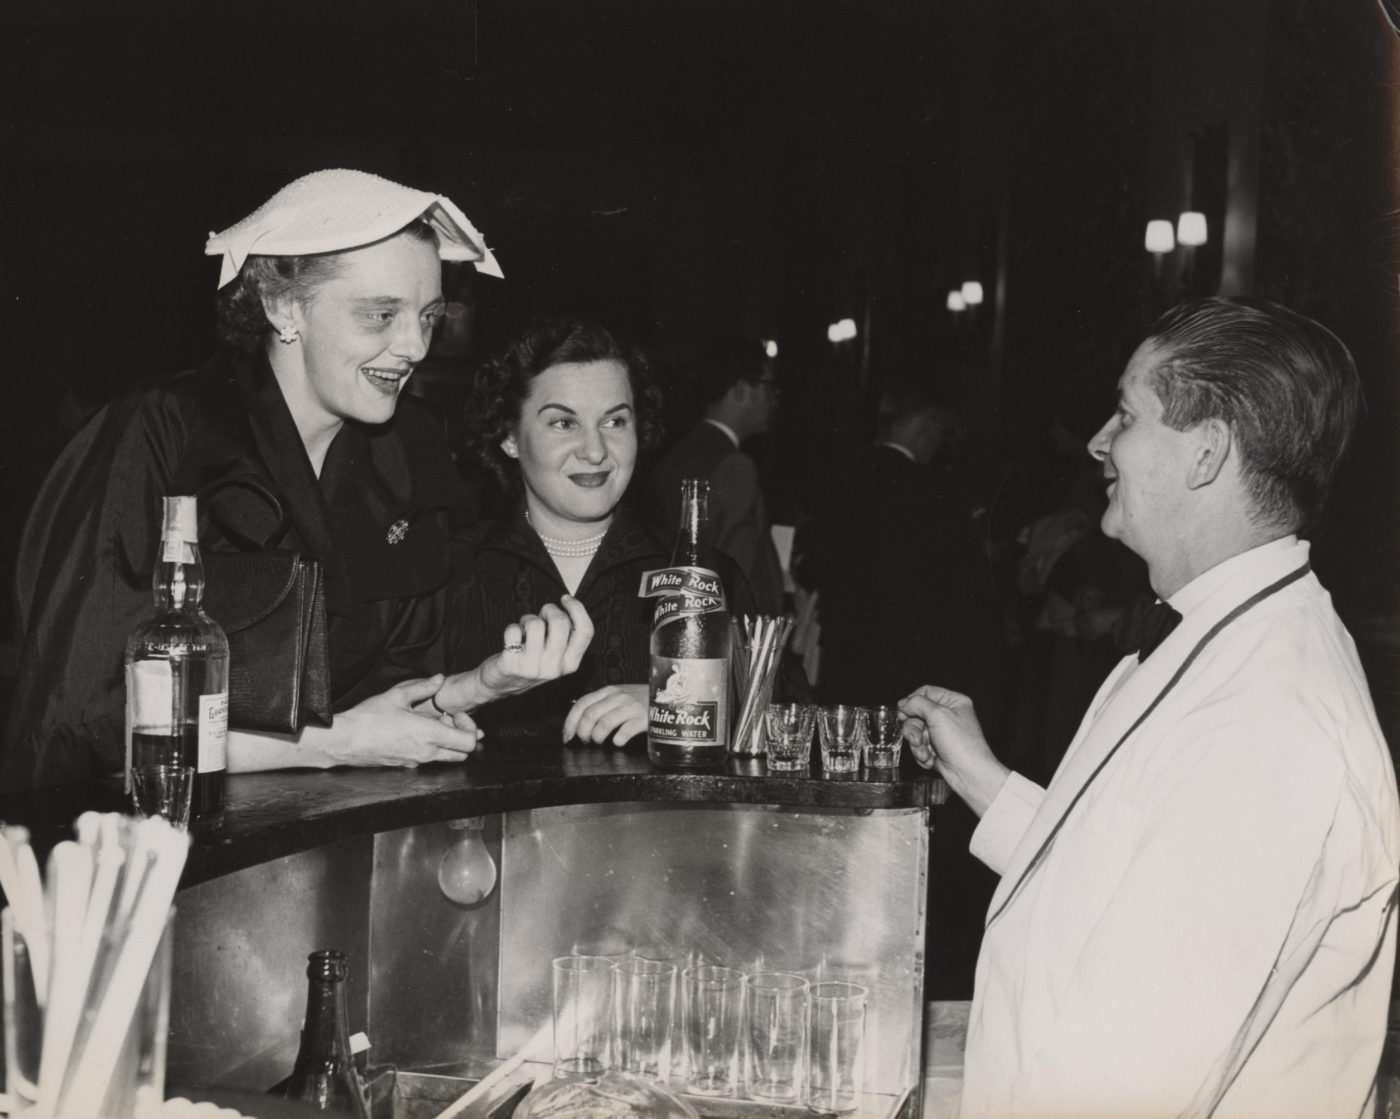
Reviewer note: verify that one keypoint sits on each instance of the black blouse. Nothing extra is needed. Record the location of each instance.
(379, 518)
(514, 575)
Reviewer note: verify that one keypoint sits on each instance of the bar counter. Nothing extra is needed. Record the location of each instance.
(598, 850)
(271, 815)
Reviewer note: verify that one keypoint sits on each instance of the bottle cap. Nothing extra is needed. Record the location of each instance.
(181, 522)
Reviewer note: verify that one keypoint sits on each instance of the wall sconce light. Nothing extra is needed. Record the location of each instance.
(956, 302)
(1159, 238)
(467, 873)
(770, 347)
(842, 331)
(972, 293)
(1191, 228)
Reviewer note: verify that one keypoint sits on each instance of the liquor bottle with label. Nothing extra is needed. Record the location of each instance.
(177, 669)
(324, 1074)
(688, 716)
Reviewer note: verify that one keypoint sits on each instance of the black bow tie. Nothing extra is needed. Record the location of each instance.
(1144, 626)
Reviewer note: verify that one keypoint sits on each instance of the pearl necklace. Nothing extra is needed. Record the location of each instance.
(568, 549)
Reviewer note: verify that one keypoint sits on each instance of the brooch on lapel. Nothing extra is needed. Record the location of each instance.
(397, 531)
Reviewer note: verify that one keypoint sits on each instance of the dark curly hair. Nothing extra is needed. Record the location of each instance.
(242, 320)
(501, 386)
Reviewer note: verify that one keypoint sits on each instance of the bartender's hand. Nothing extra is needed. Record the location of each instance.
(539, 647)
(942, 731)
(617, 710)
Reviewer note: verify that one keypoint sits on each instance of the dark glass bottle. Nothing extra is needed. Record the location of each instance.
(177, 669)
(324, 1074)
(688, 716)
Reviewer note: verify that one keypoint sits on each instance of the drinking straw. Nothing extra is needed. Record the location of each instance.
(121, 989)
(139, 862)
(102, 930)
(86, 827)
(765, 636)
(27, 908)
(70, 879)
(32, 909)
(110, 861)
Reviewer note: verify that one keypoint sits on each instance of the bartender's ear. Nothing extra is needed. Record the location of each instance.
(1214, 443)
(509, 446)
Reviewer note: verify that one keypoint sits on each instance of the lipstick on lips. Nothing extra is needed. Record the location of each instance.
(590, 480)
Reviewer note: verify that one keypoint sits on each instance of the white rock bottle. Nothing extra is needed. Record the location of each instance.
(177, 668)
(688, 714)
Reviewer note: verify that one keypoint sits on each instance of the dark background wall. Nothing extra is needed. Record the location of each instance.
(676, 168)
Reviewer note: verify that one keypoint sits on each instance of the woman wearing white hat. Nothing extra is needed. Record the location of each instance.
(293, 437)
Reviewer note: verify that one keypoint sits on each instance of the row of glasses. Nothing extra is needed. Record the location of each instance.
(847, 733)
(784, 1039)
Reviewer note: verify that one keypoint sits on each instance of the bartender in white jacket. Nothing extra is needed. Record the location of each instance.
(1197, 917)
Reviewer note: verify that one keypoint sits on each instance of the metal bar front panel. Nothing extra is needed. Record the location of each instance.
(830, 895)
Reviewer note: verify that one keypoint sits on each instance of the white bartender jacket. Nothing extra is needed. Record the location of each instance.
(1211, 930)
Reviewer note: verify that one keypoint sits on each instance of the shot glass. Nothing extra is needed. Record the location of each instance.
(836, 1046)
(714, 1007)
(583, 1006)
(789, 735)
(884, 734)
(842, 730)
(163, 790)
(646, 999)
(775, 1036)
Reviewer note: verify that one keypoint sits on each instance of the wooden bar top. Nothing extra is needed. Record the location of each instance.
(271, 815)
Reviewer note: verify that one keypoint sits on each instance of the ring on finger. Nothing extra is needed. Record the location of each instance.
(514, 647)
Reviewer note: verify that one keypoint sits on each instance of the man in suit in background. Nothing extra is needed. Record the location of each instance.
(741, 392)
(905, 587)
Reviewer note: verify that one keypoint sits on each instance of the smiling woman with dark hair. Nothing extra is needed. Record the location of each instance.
(559, 417)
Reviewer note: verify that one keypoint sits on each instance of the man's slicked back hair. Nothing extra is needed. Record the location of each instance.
(1285, 384)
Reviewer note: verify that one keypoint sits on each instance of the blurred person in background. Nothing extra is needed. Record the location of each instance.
(740, 390)
(904, 582)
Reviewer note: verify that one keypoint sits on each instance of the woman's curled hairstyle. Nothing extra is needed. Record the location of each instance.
(502, 385)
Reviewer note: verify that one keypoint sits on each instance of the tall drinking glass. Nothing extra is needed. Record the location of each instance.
(837, 1057)
(583, 1004)
(646, 998)
(775, 1036)
(714, 1005)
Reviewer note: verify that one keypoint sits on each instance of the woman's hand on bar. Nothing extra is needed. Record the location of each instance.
(389, 729)
(618, 711)
(943, 732)
(538, 648)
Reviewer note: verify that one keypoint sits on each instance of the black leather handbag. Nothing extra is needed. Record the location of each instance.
(271, 605)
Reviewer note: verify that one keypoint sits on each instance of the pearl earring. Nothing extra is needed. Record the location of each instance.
(288, 334)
